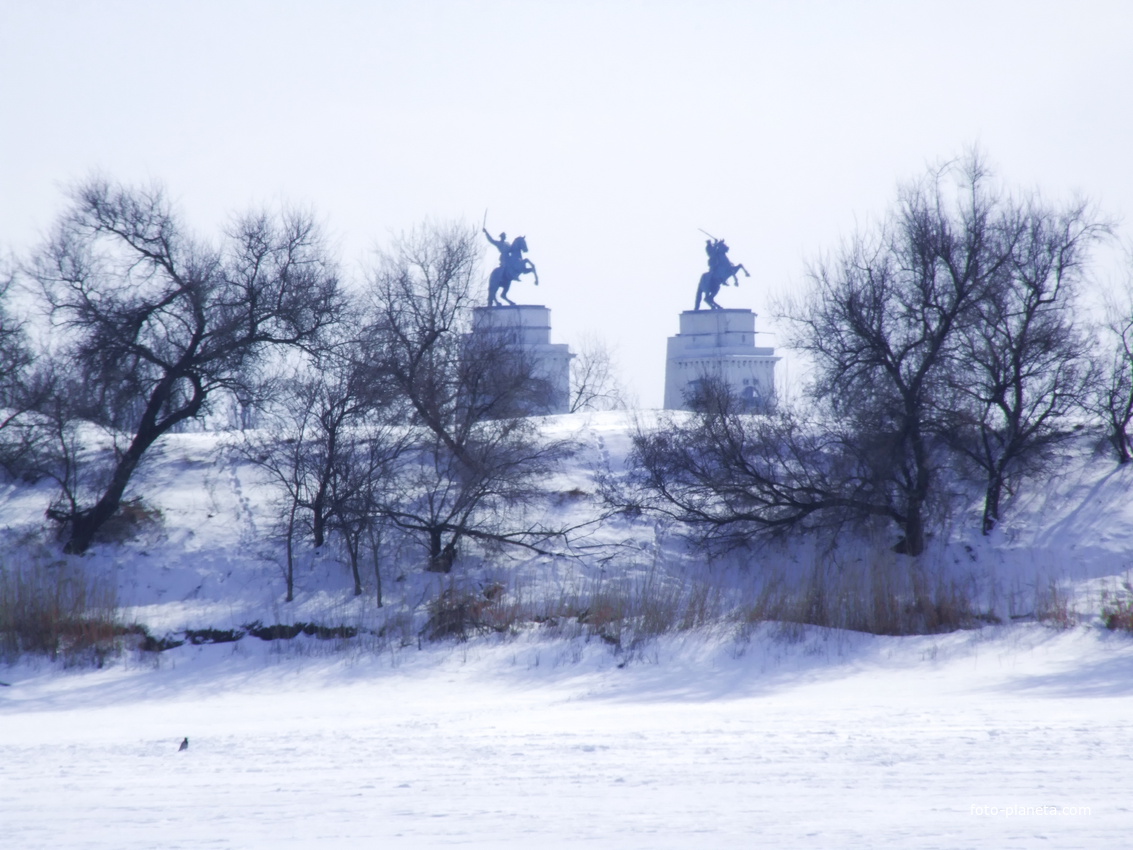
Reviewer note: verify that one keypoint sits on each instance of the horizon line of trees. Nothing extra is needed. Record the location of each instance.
(947, 347)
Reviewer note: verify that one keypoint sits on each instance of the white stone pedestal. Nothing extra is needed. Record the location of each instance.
(719, 344)
(528, 327)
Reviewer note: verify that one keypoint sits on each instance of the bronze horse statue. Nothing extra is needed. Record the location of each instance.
(512, 265)
(720, 268)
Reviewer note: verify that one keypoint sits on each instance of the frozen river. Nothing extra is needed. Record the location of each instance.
(1017, 737)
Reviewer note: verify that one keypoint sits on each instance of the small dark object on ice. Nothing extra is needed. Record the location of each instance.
(184, 745)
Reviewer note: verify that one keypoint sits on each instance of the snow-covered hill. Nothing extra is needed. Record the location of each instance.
(214, 559)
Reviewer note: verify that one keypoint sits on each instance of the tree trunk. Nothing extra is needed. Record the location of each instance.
(1120, 441)
(353, 543)
(991, 502)
(377, 570)
(914, 525)
(914, 529)
(86, 523)
(318, 517)
(441, 556)
(291, 553)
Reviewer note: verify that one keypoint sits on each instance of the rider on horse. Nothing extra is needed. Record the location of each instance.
(720, 268)
(512, 265)
(502, 245)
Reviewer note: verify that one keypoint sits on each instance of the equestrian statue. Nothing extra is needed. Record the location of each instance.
(512, 265)
(720, 268)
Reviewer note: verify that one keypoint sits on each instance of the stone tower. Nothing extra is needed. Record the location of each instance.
(528, 327)
(719, 344)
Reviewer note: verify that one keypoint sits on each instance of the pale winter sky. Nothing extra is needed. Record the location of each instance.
(607, 132)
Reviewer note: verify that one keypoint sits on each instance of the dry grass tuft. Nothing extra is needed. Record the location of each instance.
(57, 610)
(1117, 614)
(879, 592)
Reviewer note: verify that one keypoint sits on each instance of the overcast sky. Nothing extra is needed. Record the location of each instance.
(609, 133)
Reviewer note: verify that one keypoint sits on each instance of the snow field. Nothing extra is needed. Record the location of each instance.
(831, 740)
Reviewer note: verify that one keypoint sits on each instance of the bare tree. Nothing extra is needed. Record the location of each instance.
(1112, 391)
(729, 476)
(882, 324)
(328, 451)
(24, 384)
(155, 322)
(594, 383)
(1023, 365)
(360, 487)
(15, 354)
(474, 464)
(285, 459)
